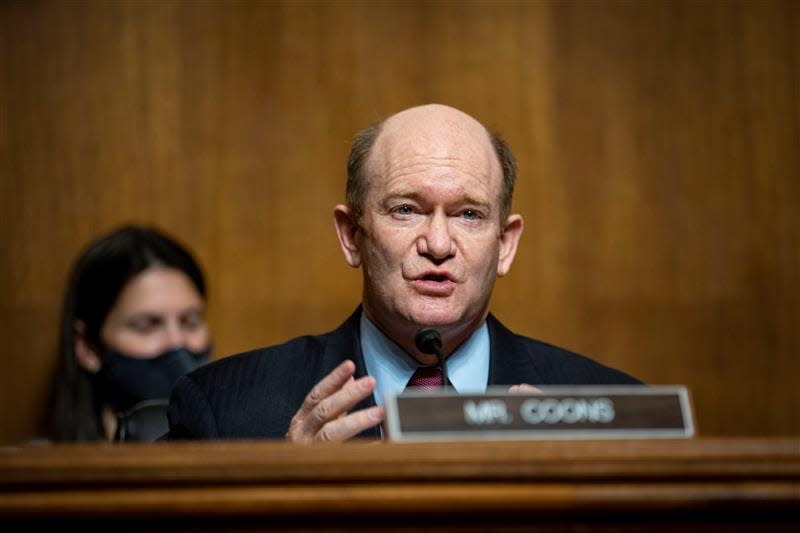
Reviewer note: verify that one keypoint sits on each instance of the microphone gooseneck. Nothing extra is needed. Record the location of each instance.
(429, 341)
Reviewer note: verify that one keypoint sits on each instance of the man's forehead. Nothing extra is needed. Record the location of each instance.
(434, 133)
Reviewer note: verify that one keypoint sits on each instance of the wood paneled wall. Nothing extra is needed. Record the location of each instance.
(658, 145)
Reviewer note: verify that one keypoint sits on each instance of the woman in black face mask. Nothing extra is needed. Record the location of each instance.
(133, 323)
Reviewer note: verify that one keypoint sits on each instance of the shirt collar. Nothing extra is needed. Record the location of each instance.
(392, 367)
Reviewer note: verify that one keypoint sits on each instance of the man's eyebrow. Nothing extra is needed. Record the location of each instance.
(416, 196)
(404, 194)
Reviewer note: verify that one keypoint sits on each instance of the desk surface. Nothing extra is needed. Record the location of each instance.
(622, 485)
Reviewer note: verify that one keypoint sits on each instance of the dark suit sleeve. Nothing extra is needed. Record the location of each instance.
(190, 415)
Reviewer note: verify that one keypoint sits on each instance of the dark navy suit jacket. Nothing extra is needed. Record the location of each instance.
(256, 394)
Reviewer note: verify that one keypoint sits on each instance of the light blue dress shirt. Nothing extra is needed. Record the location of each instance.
(392, 367)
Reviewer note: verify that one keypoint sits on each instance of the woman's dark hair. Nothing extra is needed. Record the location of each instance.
(100, 274)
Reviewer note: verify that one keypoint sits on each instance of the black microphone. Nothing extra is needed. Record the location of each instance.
(429, 341)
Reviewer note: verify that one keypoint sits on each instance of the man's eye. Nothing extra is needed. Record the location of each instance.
(404, 210)
(470, 214)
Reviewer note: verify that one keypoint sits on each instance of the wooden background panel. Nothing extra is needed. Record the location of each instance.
(657, 144)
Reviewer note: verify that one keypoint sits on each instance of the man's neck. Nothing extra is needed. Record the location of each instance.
(403, 333)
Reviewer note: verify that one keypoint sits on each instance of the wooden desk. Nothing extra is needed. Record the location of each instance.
(637, 485)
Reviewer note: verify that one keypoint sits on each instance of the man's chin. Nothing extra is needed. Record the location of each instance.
(436, 318)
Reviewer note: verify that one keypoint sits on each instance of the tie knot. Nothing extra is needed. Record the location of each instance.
(427, 378)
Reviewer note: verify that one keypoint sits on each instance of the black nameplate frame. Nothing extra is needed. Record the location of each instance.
(558, 412)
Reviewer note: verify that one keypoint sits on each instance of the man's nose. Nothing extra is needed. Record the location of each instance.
(436, 241)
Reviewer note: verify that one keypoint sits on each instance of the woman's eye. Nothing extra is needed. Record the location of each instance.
(144, 325)
(192, 321)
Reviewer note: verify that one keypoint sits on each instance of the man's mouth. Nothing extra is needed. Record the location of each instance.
(439, 284)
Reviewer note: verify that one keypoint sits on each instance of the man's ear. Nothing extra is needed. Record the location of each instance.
(85, 355)
(347, 230)
(509, 239)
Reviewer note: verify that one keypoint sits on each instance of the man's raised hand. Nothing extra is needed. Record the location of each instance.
(324, 414)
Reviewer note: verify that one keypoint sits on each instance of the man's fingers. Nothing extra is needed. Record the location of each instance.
(315, 414)
(340, 402)
(351, 425)
(327, 386)
(351, 380)
(523, 388)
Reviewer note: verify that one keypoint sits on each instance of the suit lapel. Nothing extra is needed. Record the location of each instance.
(509, 363)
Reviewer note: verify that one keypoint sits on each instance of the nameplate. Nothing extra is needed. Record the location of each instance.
(558, 412)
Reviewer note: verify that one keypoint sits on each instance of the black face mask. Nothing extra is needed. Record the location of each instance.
(124, 381)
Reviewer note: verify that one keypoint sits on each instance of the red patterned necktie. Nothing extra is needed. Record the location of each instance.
(427, 378)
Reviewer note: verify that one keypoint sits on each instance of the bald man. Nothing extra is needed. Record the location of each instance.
(428, 220)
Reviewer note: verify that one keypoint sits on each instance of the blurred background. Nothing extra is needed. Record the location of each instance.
(658, 146)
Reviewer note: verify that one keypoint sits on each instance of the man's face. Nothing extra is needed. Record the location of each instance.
(430, 239)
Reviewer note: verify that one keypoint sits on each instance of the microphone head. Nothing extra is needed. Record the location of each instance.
(429, 340)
